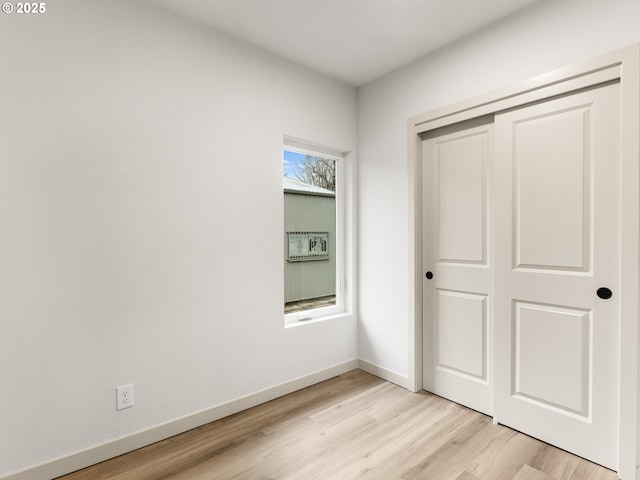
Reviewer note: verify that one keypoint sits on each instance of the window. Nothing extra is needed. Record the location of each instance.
(313, 244)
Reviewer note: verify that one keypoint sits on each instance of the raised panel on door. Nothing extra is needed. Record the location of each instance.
(558, 376)
(553, 176)
(461, 206)
(558, 228)
(461, 334)
(457, 303)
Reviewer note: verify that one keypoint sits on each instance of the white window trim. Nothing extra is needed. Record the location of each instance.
(325, 313)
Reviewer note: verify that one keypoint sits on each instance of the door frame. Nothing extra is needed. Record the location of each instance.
(621, 65)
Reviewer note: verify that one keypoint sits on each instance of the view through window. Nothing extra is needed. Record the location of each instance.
(310, 241)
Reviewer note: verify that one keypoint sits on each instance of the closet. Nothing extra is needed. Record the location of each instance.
(526, 208)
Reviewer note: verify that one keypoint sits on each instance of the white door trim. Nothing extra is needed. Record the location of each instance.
(622, 65)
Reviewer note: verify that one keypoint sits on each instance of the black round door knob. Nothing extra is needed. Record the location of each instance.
(429, 275)
(604, 293)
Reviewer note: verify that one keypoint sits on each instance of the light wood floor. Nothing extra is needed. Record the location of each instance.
(352, 426)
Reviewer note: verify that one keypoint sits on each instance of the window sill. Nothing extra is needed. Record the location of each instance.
(317, 319)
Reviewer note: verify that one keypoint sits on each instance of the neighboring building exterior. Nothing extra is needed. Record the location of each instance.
(309, 241)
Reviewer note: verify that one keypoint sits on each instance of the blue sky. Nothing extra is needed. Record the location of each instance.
(291, 159)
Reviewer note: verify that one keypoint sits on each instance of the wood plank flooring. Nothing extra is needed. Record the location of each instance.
(354, 426)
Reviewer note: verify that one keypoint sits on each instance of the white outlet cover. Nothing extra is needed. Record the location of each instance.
(124, 397)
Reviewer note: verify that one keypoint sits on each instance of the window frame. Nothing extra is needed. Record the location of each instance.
(321, 313)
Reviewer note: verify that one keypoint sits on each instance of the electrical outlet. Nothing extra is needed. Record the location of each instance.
(124, 397)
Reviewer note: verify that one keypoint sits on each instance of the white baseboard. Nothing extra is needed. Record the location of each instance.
(91, 456)
(385, 374)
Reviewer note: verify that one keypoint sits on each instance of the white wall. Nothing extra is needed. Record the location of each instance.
(141, 222)
(546, 36)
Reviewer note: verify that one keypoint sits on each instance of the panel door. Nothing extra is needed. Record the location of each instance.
(456, 253)
(557, 244)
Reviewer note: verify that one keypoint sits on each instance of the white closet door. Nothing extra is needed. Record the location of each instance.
(457, 304)
(557, 252)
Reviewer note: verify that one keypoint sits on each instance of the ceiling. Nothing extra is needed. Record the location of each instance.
(355, 41)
